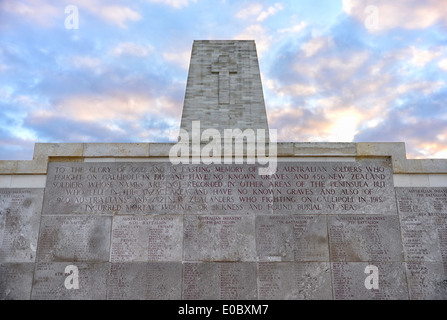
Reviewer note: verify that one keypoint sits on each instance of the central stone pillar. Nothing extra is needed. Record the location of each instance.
(224, 89)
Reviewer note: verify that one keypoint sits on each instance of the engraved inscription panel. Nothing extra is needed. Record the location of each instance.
(219, 281)
(294, 281)
(218, 189)
(364, 238)
(292, 238)
(427, 200)
(19, 224)
(105, 188)
(147, 238)
(362, 187)
(16, 280)
(423, 215)
(145, 281)
(424, 236)
(427, 281)
(349, 281)
(74, 238)
(219, 238)
(49, 281)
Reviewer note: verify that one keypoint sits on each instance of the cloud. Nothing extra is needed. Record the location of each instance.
(443, 64)
(272, 10)
(314, 45)
(421, 57)
(420, 123)
(294, 29)
(424, 87)
(97, 108)
(119, 118)
(118, 15)
(86, 62)
(257, 9)
(36, 11)
(253, 9)
(339, 86)
(46, 13)
(131, 49)
(13, 148)
(331, 70)
(296, 89)
(259, 34)
(3, 67)
(406, 14)
(179, 58)
(178, 4)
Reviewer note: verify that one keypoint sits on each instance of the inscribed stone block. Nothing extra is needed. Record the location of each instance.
(292, 238)
(51, 282)
(74, 238)
(219, 238)
(20, 211)
(294, 281)
(362, 187)
(350, 278)
(357, 238)
(427, 280)
(105, 188)
(424, 236)
(219, 281)
(145, 281)
(422, 200)
(147, 238)
(217, 189)
(16, 280)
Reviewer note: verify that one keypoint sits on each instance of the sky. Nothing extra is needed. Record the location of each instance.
(115, 70)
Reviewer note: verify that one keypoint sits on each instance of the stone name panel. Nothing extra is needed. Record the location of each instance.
(16, 281)
(219, 281)
(427, 280)
(349, 281)
(427, 200)
(224, 281)
(50, 281)
(423, 218)
(294, 281)
(219, 238)
(292, 238)
(362, 187)
(364, 238)
(147, 238)
(20, 212)
(74, 238)
(145, 281)
(424, 236)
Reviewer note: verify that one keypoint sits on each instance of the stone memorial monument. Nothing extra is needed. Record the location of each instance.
(332, 221)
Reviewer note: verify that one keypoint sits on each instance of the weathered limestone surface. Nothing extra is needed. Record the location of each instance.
(306, 232)
(224, 87)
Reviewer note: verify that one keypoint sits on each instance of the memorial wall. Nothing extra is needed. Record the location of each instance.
(154, 230)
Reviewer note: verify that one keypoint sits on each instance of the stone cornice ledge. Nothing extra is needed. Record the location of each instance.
(43, 152)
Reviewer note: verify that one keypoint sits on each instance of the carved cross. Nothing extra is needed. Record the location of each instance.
(224, 67)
